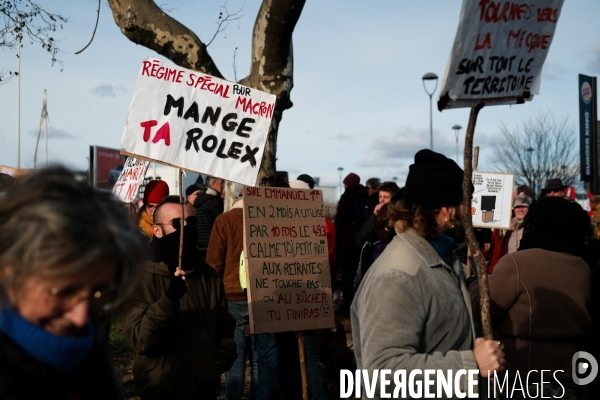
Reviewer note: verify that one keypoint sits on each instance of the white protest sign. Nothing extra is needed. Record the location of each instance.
(491, 206)
(287, 262)
(197, 122)
(130, 179)
(499, 51)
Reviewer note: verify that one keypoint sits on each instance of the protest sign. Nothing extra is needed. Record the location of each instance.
(130, 179)
(194, 121)
(491, 205)
(14, 172)
(285, 246)
(499, 51)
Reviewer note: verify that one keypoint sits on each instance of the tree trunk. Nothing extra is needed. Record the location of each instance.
(144, 23)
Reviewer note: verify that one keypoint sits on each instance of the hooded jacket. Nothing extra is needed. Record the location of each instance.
(179, 347)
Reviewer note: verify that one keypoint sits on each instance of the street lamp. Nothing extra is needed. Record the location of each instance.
(430, 76)
(457, 129)
(340, 169)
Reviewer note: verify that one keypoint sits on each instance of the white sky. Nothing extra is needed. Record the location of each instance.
(358, 96)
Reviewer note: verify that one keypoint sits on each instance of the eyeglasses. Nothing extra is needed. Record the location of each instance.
(151, 206)
(176, 222)
(69, 297)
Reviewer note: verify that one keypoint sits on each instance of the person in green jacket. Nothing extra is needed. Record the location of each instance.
(178, 322)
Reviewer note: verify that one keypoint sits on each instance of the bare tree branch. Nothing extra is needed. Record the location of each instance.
(234, 65)
(95, 27)
(540, 149)
(25, 18)
(228, 18)
(144, 23)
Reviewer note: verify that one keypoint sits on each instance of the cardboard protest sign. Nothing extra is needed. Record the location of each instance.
(197, 122)
(491, 206)
(130, 179)
(14, 172)
(499, 51)
(285, 246)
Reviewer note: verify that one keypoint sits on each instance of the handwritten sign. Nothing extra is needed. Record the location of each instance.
(131, 178)
(499, 51)
(197, 122)
(285, 245)
(491, 206)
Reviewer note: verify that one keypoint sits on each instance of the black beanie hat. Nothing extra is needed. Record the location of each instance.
(433, 181)
(555, 224)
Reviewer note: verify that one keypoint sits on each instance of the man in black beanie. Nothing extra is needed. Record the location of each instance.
(433, 181)
(412, 310)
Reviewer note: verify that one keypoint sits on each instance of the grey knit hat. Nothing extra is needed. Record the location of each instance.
(522, 200)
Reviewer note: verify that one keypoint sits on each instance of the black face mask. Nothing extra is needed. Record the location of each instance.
(166, 249)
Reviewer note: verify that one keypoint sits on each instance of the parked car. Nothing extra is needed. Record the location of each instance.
(114, 174)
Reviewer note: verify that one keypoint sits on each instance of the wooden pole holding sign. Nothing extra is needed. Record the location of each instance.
(466, 217)
(182, 220)
(300, 337)
(468, 224)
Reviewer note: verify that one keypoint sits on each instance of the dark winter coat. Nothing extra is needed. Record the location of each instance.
(24, 377)
(346, 218)
(180, 348)
(539, 305)
(208, 208)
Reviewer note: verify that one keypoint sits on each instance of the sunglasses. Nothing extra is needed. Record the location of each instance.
(176, 222)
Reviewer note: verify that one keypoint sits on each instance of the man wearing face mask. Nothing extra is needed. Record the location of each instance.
(178, 323)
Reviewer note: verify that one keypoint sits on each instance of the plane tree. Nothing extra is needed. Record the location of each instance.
(271, 70)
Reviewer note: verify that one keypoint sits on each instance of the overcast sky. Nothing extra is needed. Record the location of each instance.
(359, 101)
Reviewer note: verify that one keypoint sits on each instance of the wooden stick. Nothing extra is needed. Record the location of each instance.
(182, 221)
(467, 220)
(300, 336)
(468, 224)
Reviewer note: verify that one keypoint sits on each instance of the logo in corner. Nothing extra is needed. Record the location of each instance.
(586, 92)
(584, 367)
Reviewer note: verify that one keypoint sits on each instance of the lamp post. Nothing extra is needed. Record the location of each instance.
(457, 129)
(340, 169)
(430, 76)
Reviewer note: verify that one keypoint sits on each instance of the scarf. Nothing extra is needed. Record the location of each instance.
(64, 353)
(443, 245)
(166, 249)
(146, 223)
(516, 225)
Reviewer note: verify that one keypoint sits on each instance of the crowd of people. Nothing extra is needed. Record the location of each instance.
(72, 260)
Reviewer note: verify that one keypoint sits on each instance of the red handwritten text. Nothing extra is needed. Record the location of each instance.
(153, 69)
